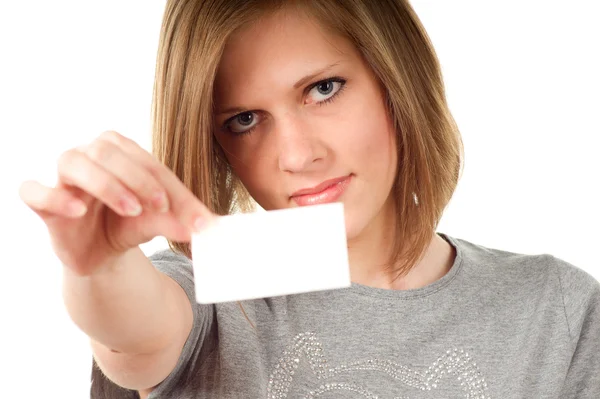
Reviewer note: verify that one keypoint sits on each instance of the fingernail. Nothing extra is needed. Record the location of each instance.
(131, 206)
(77, 208)
(160, 201)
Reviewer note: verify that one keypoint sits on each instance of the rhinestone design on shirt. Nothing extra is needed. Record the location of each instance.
(455, 363)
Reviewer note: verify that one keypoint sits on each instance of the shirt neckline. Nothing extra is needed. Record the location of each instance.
(416, 293)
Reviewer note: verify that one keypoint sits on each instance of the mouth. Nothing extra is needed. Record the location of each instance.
(326, 192)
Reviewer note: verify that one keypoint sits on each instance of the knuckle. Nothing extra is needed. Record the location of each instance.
(100, 151)
(154, 169)
(116, 138)
(66, 158)
(144, 185)
(105, 187)
(189, 204)
(151, 186)
(179, 205)
(110, 135)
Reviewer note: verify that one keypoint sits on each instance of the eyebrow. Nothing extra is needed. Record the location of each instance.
(299, 83)
(313, 75)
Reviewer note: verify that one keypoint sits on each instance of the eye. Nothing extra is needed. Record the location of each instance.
(321, 92)
(242, 123)
(326, 89)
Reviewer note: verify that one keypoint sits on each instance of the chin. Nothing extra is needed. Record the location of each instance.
(353, 226)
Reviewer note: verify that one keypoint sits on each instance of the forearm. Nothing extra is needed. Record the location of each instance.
(127, 307)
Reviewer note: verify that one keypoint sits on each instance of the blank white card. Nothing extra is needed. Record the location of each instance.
(265, 254)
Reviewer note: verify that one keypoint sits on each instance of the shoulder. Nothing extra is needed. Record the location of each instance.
(581, 296)
(574, 280)
(531, 275)
(496, 262)
(510, 269)
(536, 281)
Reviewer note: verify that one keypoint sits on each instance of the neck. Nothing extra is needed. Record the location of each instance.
(369, 252)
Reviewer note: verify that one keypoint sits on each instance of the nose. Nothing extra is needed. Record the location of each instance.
(297, 146)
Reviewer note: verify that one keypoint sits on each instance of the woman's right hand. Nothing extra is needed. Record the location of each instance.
(111, 196)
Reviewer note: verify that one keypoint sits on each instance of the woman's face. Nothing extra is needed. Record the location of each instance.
(297, 107)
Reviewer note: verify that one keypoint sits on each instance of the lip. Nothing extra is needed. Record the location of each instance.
(328, 191)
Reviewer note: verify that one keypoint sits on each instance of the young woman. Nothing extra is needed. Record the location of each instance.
(295, 103)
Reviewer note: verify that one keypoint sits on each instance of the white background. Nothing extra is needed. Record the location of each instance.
(523, 83)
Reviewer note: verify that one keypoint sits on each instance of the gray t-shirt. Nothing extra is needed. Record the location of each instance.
(497, 325)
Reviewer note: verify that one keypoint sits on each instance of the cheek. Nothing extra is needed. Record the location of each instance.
(250, 161)
(384, 142)
(249, 169)
(367, 138)
(241, 153)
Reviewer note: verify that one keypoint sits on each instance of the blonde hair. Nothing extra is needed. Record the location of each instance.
(391, 39)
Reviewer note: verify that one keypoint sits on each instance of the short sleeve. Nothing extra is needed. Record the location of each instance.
(179, 268)
(581, 299)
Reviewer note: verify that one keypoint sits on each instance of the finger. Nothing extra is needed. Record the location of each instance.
(133, 175)
(55, 201)
(76, 169)
(184, 204)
